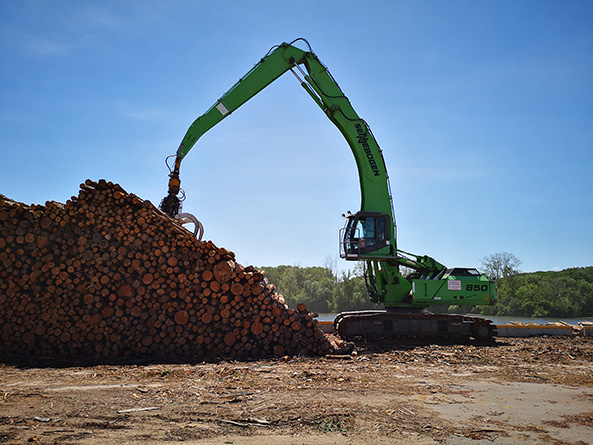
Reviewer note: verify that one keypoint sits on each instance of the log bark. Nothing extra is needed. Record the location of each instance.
(109, 275)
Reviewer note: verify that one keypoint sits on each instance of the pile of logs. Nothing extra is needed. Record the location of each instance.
(109, 275)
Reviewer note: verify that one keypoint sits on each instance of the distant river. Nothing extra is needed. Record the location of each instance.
(500, 320)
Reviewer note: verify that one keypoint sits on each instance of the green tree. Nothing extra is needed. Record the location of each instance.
(350, 293)
(319, 288)
(567, 293)
(313, 286)
(500, 265)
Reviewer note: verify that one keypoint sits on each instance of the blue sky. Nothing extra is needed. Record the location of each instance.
(484, 111)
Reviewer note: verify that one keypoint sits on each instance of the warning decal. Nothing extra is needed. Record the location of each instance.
(454, 285)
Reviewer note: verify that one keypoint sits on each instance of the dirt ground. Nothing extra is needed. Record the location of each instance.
(536, 390)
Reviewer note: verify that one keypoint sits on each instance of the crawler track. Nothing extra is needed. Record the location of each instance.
(392, 325)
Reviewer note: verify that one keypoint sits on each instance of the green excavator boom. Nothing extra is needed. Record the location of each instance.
(369, 235)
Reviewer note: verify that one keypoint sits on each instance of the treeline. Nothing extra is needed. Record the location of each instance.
(320, 288)
(568, 293)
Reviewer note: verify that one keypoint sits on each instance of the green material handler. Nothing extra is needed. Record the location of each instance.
(369, 235)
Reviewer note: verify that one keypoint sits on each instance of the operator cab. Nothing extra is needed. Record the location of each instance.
(366, 235)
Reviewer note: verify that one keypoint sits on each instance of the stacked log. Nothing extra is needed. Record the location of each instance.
(109, 275)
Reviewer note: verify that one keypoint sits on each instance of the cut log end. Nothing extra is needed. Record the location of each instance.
(109, 275)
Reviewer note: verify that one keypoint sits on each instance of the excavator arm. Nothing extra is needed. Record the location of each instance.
(324, 90)
(369, 235)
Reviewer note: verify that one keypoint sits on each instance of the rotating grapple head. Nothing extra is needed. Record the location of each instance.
(171, 204)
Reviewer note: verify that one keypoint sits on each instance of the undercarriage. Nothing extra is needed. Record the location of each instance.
(392, 325)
